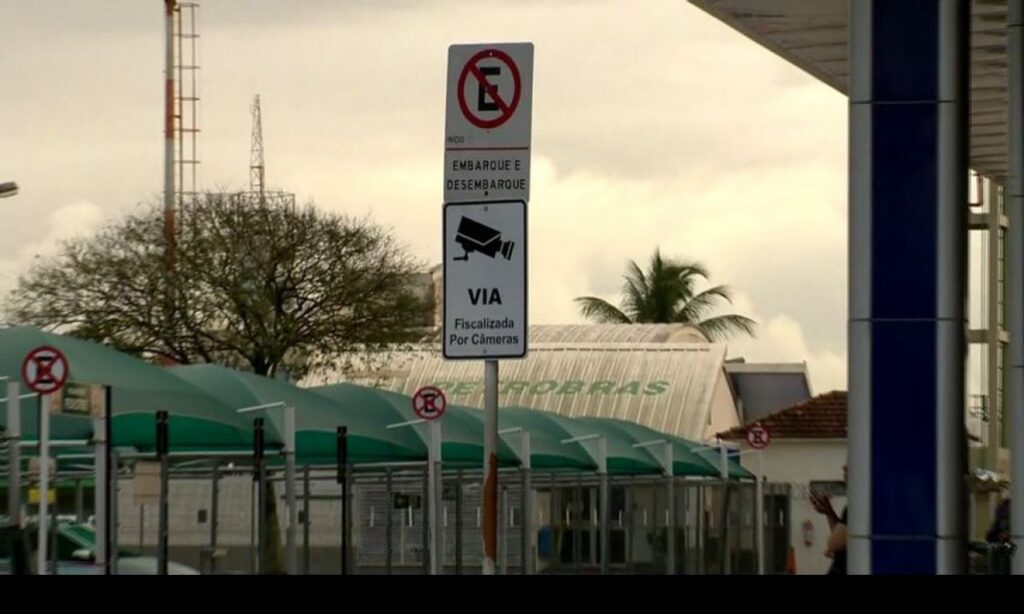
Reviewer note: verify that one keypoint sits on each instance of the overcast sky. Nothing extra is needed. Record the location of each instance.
(654, 125)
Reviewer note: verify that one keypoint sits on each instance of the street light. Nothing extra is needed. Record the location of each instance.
(8, 188)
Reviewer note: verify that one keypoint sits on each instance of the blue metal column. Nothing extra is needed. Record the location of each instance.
(907, 327)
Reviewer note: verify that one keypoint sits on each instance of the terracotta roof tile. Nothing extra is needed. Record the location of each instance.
(823, 417)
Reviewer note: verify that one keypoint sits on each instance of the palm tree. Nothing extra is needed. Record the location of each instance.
(667, 293)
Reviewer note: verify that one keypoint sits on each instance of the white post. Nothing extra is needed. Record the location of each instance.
(724, 453)
(44, 482)
(759, 513)
(13, 453)
(289, 489)
(435, 496)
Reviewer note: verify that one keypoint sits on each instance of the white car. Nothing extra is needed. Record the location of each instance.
(76, 555)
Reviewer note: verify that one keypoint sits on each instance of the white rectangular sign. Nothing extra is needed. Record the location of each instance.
(485, 280)
(488, 122)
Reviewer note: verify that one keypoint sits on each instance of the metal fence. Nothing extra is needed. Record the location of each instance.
(213, 522)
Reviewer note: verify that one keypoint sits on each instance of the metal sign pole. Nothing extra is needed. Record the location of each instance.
(162, 447)
(53, 524)
(341, 448)
(490, 503)
(13, 436)
(426, 520)
(759, 513)
(110, 483)
(436, 496)
(473, 226)
(289, 489)
(101, 497)
(44, 482)
(261, 494)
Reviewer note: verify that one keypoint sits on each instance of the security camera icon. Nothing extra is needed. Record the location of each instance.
(481, 238)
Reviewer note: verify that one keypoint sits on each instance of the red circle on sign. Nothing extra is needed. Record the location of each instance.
(429, 403)
(45, 369)
(507, 108)
(758, 437)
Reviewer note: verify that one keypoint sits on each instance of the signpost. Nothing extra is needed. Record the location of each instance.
(163, 450)
(485, 280)
(429, 403)
(92, 400)
(343, 476)
(488, 122)
(759, 437)
(44, 371)
(488, 126)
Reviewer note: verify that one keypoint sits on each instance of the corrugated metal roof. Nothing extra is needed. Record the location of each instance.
(615, 333)
(668, 387)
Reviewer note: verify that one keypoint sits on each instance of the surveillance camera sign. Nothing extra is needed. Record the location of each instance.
(485, 280)
(488, 121)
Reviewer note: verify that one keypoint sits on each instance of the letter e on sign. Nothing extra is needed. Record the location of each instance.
(429, 403)
(758, 437)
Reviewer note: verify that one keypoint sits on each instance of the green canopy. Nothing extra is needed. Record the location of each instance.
(623, 458)
(714, 456)
(462, 434)
(685, 462)
(317, 415)
(138, 390)
(203, 403)
(547, 452)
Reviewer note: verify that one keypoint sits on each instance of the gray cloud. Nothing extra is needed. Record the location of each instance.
(654, 125)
